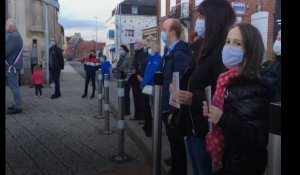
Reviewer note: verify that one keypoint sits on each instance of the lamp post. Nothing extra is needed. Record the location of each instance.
(96, 33)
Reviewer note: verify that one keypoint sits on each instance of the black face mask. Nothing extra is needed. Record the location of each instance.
(34, 41)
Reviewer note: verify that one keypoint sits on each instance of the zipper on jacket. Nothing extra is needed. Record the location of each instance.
(193, 129)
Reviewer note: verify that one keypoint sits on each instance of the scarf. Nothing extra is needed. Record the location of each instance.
(215, 138)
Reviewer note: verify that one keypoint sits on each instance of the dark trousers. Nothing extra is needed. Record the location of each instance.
(178, 151)
(56, 75)
(32, 67)
(88, 77)
(145, 104)
(38, 89)
(137, 99)
(127, 98)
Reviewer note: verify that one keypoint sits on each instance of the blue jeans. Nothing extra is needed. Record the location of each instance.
(13, 83)
(201, 160)
(56, 74)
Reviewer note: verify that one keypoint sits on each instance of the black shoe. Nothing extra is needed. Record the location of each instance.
(134, 119)
(148, 133)
(11, 108)
(92, 96)
(14, 111)
(83, 96)
(55, 96)
(168, 161)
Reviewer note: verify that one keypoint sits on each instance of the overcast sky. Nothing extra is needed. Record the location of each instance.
(78, 16)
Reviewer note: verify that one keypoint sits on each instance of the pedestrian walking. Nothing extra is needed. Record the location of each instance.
(37, 80)
(14, 64)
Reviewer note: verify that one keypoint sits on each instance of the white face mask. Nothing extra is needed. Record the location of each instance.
(277, 47)
(150, 52)
(52, 43)
(200, 27)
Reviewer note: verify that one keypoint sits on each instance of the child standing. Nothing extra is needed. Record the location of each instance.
(37, 80)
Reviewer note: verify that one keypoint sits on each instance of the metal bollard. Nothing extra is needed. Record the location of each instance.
(106, 105)
(274, 146)
(157, 124)
(100, 96)
(120, 157)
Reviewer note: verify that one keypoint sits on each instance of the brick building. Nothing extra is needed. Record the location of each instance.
(264, 14)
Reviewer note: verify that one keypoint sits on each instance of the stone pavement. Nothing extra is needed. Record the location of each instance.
(134, 129)
(61, 136)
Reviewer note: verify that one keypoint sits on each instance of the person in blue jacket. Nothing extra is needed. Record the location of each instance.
(105, 68)
(153, 66)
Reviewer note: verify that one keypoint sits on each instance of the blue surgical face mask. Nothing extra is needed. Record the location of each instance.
(146, 49)
(232, 56)
(122, 52)
(277, 47)
(200, 27)
(135, 47)
(164, 37)
(150, 52)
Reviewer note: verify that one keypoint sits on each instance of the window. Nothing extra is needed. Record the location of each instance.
(134, 10)
(129, 33)
(172, 3)
(197, 2)
(163, 6)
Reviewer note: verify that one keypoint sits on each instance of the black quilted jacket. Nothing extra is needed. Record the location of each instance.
(245, 126)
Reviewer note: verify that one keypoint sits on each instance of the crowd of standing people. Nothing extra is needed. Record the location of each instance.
(228, 136)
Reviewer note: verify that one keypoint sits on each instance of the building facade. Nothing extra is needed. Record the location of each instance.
(260, 13)
(29, 16)
(126, 24)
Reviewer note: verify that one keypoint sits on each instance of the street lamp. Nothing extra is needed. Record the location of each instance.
(96, 33)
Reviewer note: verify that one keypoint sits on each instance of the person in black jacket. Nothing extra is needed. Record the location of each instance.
(244, 117)
(176, 57)
(56, 64)
(213, 28)
(138, 67)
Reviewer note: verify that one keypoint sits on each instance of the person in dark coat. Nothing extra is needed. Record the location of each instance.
(177, 56)
(241, 104)
(138, 68)
(213, 28)
(91, 65)
(56, 64)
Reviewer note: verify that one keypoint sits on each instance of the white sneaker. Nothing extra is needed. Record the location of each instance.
(36, 96)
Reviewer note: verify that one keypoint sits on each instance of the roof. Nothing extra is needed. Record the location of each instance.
(88, 45)
(75, 40)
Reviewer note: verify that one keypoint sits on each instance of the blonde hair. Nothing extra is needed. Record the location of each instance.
(37, 67)
(154, 46)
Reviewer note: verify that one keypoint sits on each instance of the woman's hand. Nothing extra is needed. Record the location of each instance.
(170, 119)
(140, 78)
(212, 112)
(184, 97)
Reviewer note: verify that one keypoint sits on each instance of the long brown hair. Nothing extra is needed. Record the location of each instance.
(219, 17)
(254, 50)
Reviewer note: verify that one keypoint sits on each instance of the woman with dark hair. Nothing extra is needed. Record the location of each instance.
(215, 17)
(241, 105)
(123, 65)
